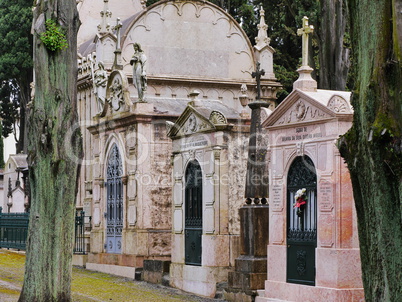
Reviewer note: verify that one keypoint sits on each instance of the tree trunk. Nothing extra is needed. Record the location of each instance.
(25, 95)
(334, 57)
(54, 152)
(373, 147)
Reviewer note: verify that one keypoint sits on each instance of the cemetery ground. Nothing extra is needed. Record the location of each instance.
(88, 286)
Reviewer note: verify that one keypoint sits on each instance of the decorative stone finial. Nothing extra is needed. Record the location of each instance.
(194, 101)
(144, 3)
(106, 15)
(262, 39)
(305, 82)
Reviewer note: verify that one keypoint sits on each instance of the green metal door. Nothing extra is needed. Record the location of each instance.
(193, 214)
(301, 221)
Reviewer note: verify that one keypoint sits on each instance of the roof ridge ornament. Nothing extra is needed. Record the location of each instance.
(262, 39)
(104, 27)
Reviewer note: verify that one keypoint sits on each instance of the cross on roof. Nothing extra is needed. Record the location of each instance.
(304, 32)
(257, 75)
(117, 28)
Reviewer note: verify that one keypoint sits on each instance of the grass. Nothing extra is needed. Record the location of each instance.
(88, 286)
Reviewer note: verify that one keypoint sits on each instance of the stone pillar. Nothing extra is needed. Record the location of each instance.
(251, 267)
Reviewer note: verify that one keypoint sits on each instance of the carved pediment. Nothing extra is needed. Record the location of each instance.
(300, 107)
(194, 124)
(302, 111)
(191, 122)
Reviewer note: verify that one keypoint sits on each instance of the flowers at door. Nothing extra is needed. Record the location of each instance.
(301, 200)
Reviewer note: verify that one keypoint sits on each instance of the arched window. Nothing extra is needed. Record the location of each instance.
(114, 204)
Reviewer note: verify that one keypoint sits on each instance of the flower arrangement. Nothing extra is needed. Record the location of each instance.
(301, 200)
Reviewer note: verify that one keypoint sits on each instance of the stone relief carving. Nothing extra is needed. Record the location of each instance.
(217, 118)
(300, 148)
(338, 104)
(237, 158)
(301, 111)
(116, 94)
(193, 125)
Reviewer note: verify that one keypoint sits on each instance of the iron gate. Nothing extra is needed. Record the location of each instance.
(301, 222)
(193, 214)
(114, 211)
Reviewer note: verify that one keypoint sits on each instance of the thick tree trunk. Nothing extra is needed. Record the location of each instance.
(54, 152)
(334, 57)
(373, 146)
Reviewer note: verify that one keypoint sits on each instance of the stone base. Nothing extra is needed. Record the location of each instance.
(80, 260)
(154, 271)
(123, 271)
(237, 295)
(199, 280)
(282, 291)
(116, 259)
(246, 281)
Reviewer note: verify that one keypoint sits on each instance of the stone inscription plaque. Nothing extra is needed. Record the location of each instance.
(300, 133)
(325, 193)
(277, 197)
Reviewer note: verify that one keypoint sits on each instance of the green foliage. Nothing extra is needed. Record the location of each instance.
(53, 38)
(9, 105)
(16, 38)
(15, 61)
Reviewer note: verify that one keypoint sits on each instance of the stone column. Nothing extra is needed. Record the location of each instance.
(251, 267)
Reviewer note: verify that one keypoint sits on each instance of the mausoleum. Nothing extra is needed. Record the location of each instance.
(136, 83)
(313, 249)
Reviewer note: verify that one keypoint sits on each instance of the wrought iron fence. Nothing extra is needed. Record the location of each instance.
(13, 230)
(82, 224)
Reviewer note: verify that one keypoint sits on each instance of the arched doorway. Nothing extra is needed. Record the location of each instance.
(193, 214)
(114, 205)
(301, 221)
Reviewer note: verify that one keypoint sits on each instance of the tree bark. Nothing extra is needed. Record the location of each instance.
(373, 146)
(54, 153)
(334, 57)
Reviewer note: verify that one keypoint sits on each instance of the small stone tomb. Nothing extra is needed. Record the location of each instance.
(209, 166)
(313, 250)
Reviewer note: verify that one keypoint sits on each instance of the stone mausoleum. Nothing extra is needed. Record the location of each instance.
(313, 249)
(162, 95)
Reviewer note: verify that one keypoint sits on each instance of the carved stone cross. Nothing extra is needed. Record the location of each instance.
(304, 32)
(257, 75)
(117, 28)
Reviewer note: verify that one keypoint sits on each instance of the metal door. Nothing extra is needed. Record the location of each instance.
(193, 214)
(301, 222)
(114, 211)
